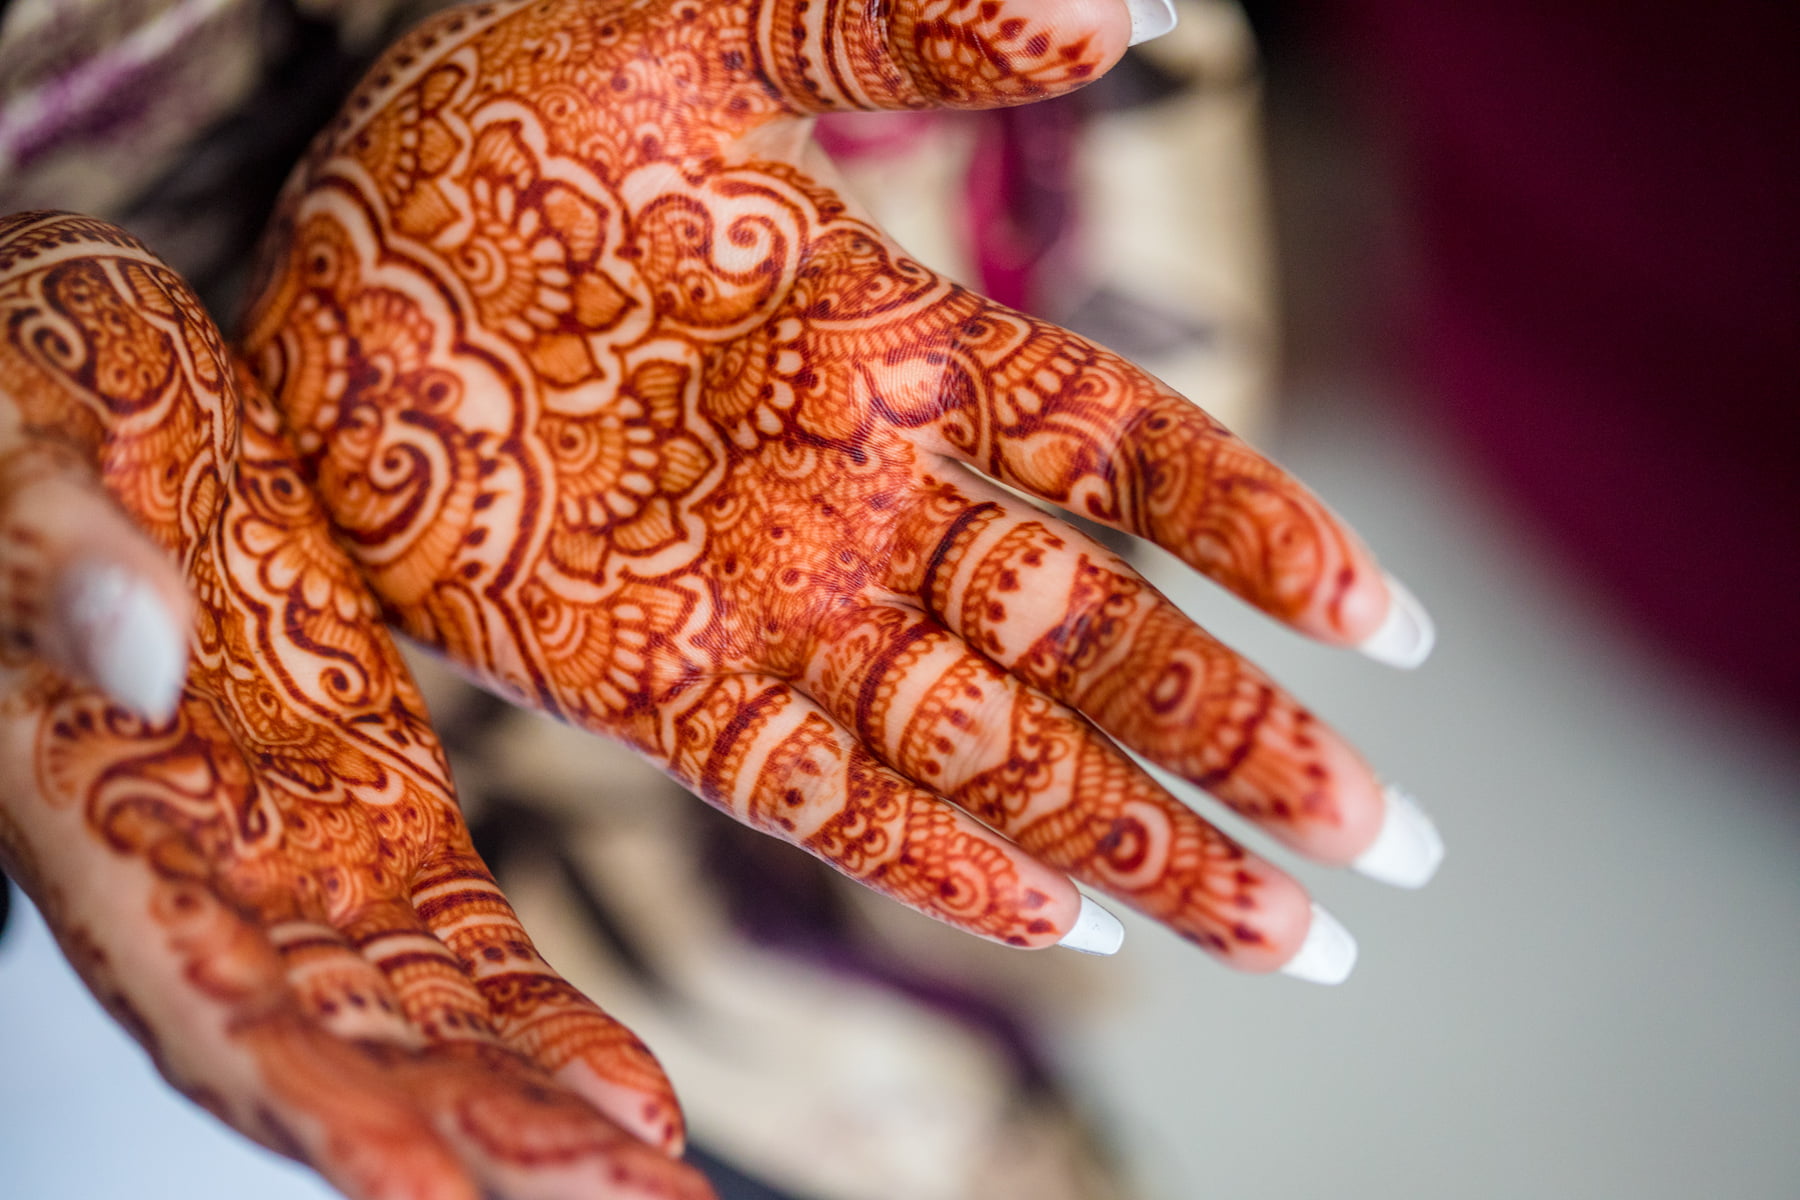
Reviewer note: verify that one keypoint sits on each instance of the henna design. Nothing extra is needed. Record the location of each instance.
(613, 398)
(619, 403)
(24, 561)
(284, 854)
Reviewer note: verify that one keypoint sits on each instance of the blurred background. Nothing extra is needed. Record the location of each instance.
(1514, 288)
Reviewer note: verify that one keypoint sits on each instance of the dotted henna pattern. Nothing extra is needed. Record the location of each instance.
(619, 403)
(567, 356)
(310, 875)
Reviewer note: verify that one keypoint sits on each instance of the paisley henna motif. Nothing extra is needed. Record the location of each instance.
(618, 402)
(611, 396)
(273, 889)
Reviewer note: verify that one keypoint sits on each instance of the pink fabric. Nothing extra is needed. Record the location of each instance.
(1610, 217)
(1018, 211)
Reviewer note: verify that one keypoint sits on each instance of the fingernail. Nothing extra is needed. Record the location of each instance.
(125, 639)
(1095, 931)
(1150, 19)
(1328, 953)
(1406, 635)
(1407, 851)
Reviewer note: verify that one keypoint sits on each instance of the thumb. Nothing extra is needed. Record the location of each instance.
(82, 588)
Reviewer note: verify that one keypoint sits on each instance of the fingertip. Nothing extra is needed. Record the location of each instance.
(666, 1127)
(646, 1107)
(1407, 849)
(1037, 908)
(1095, 931)
(1151, 19)
(117, 630)
(1352, 815)
(1327, 953)
(1104, 28)
(91, 594)
(1405, 634)
(1033, 49)
(1263, 925)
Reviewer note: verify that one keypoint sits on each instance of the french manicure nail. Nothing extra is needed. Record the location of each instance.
(1150, 19)
(1406, 635)
(1407, 851)
(1095, 931)
(124, 638)
(1328, 953)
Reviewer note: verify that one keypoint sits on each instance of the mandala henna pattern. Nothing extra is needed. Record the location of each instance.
(619, 403)
(307, 871)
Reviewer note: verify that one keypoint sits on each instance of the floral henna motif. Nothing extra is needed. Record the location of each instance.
(304, 937)
(619, 403)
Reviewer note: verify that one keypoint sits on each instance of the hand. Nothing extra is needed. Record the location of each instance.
(255, 858)
(619, 403)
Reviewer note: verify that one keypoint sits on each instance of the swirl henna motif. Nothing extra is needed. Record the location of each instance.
(620, 403)
(272, 888)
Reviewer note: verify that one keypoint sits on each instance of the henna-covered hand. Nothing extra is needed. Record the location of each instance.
(620, 403)
(253, 854)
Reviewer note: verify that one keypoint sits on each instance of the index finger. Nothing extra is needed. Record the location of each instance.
(1052, 414)
(825, 55)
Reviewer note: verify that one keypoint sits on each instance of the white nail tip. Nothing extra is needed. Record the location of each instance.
(1409, 848)
(126, 639)
(1327, 955)
(1406, 635)
(1150, 19)
(1095, 931)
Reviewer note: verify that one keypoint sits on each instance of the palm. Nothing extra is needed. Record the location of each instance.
(617, 401)
(273, 888)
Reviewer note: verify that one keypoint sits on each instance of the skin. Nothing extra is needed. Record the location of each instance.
(569, 357)
(272, 889)
(621, 404)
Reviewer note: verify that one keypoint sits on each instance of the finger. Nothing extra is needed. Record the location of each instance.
(335, 1107)
(528, 1140)
(1041, 775)
(338, 988)
(538, 1013)
(1050, 413)
(81, 588)
(1072, 619)
(200, 987)
(774, 759)
(447, 994)
(491, 1101)
(456, 1121)
(435, 993)
(460, 1121)
(836, 54)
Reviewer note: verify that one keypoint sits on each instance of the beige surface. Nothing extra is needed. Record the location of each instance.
(63, 64)
(1595, 999)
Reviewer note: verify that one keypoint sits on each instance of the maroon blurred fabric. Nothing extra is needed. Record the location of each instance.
(1609, 211)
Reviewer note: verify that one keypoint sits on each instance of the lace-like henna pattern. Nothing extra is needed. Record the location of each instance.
(618, 403)
(305, 871)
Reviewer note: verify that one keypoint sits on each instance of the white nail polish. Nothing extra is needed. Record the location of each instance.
(1407, 851)
(1095, 931)
(1150, 19)
(125, 638)
(1328, 953)
(1406, 635)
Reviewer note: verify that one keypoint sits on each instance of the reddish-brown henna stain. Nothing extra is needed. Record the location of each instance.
(618, 403)
(310, 871)
(611, 397)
